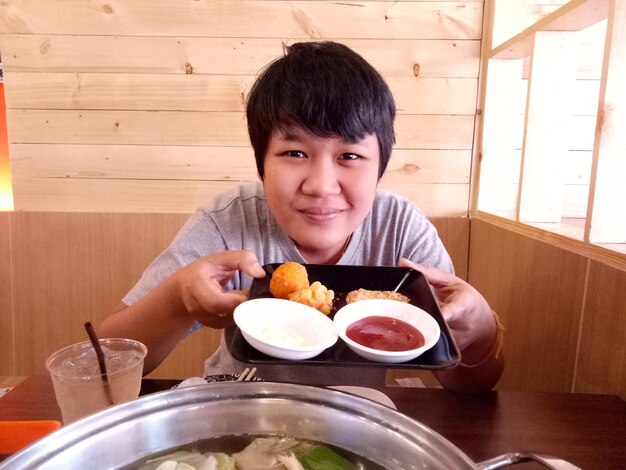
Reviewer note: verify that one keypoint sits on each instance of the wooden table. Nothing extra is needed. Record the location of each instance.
(586, 430)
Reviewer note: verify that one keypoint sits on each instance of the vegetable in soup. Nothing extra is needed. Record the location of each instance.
(258, 453)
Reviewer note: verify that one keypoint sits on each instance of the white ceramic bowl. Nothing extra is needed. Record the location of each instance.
(411, 314)
(284, 329)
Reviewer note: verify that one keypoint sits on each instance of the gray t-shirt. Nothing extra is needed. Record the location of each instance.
(240, 219)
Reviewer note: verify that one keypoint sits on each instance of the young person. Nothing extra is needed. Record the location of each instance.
(320, 121)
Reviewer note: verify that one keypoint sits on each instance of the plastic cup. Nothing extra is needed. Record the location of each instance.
(79, 386)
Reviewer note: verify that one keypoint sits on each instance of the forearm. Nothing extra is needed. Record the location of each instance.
(159, 320)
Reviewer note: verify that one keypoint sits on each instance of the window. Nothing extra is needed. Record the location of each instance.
(552, 148)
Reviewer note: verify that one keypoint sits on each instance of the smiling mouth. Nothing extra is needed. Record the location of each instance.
(321, 215)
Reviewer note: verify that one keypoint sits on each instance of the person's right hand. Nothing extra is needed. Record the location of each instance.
(202, 285)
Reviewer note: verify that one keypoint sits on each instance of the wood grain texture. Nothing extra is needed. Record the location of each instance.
(226, 129)
(455, 234)
(221, 56)
(214, 93)
(223, 18)
(72, 268)
(187, 359)
(537, 289)
(7, 345)
(85, 74)
(602, 352)
(607, 256)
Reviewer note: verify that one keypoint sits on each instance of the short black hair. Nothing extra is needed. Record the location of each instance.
(325, 88)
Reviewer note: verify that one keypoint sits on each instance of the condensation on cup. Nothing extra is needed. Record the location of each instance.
(78, 384)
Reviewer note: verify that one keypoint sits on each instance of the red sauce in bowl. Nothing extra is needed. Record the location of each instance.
(385, 334)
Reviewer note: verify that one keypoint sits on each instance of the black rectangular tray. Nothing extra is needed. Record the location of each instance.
(343, 279)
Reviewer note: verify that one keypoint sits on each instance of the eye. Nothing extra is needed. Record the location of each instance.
(349, 156)
(294, 154)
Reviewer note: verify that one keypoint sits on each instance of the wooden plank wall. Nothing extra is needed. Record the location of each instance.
(138, 106)
(67, 268)
(564, 313)
(7, 353)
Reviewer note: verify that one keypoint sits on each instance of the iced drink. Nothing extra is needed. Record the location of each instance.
(78, 384)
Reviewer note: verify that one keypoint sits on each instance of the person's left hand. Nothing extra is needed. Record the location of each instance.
(466, 311)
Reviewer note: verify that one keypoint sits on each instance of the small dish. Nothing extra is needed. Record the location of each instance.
(284, 329)
(391, 309)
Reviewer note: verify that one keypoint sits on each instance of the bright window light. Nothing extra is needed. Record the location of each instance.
(6, 189)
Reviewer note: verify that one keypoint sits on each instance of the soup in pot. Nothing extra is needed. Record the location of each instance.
(248, 452)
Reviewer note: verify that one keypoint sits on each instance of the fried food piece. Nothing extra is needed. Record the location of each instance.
(316, 296)
(291, 281)
(363, 294)
(288, 278)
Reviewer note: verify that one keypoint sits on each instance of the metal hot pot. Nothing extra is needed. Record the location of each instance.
(131, 432)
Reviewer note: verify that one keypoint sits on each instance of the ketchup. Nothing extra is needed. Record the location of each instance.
(385, 334)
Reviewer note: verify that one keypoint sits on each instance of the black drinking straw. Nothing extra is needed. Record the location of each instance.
(100, 356)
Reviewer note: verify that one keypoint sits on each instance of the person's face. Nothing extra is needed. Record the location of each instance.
(319, 189)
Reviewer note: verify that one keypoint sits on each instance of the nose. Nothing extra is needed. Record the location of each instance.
(322, 178)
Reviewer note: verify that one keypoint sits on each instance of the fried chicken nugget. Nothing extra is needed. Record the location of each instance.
(316, 296)
(288, 278)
